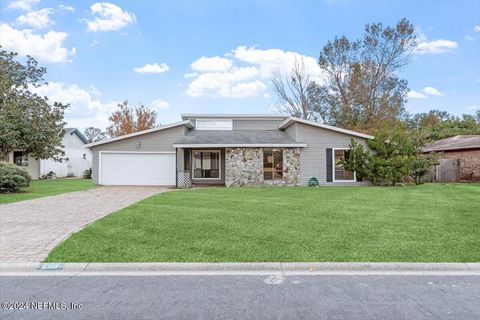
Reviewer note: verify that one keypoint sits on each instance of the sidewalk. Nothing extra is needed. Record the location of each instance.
(269, 268)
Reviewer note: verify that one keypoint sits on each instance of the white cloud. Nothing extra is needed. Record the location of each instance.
(212, 64)
(431, 91)
(67, 7)
(416, 95)
(244, 72)
(48, 47)
(159, 104)
(226, 84)
(109, 17)
(424, 93)
(435, 46)
(469, 38)
(190, 75)
(277, 60)
(37, 19)
(22, 4)
(476, 28)
(473, 107)
(84, 110)
(152, 68)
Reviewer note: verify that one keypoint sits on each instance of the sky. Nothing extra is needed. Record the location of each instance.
(218, 56)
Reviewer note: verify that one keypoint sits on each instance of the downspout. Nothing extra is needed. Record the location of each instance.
(176, 168)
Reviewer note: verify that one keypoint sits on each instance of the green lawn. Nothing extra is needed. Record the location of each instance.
(427, 223)
(43, 188)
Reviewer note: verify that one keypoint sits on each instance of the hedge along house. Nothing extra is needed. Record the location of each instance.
(229, 150)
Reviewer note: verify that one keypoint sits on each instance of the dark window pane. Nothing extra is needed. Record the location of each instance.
(206, 165)
(278, 160)
(20, 158)
(267, 175)
(278, 175)
(268, 159)
(340, 172)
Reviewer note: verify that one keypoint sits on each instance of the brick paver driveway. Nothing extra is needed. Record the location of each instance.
(30, 229)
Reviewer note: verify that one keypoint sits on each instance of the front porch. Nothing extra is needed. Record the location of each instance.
(238, 166)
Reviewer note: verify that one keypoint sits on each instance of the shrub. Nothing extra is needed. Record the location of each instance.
(12, 178)
(87, 174)
(396, 157)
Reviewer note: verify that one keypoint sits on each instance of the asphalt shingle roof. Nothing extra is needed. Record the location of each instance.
(454, 143)
(222, 137)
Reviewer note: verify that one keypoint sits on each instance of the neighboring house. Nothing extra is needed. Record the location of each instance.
(230, 150)
(77, 158)
(464, 149)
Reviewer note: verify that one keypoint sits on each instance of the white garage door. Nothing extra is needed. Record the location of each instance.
(137, 168)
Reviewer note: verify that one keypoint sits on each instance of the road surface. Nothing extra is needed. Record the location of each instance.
(241, 297)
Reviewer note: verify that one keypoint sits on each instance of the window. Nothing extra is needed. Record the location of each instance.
(206, 164)
(20, 158)
(214, 124)
(340, 173)
(84, 156)
(272, 164)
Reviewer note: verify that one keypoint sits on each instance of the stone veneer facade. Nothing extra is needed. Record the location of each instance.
(244, 167)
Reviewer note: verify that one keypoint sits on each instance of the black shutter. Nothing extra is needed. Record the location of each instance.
(329, 166)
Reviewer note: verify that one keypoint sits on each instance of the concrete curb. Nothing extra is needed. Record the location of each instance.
(268, 268)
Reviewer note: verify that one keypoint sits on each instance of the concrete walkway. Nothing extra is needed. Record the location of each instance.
(30, 229)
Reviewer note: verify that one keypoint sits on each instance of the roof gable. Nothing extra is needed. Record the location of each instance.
(77, 132)
(288, 122)
(139, 133)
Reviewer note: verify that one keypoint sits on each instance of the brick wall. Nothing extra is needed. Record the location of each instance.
(469, 163)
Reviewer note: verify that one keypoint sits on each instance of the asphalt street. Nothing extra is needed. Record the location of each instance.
(240, 297)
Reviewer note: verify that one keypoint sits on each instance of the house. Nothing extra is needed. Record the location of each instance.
(463, 148)
(77, 158)
(230, 150)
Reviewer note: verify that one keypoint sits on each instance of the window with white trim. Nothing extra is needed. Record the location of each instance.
(206, 164)
(340, 174)
(214, 124)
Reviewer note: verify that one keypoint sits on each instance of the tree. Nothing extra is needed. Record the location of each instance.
(129, 119)
(28, 122)
(396, 156)
(436, 124)
(94, 134)
(362, 89)
(298, 96)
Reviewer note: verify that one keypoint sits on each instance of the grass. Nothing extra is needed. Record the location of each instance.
(428, 223)
(43, 188)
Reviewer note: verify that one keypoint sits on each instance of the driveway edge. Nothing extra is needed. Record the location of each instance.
(268, 268)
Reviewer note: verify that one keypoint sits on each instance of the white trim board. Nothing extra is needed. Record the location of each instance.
(242, 145)
(285, 124)
(186, 123)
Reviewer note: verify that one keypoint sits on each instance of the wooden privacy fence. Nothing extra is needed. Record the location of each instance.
(447, 170)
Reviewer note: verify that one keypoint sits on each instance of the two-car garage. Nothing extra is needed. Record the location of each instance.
(136, 168)
(143, 158)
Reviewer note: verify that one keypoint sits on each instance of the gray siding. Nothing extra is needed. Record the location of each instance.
(156, 141)
(292, 131)
(239, 124)
(313, 157)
